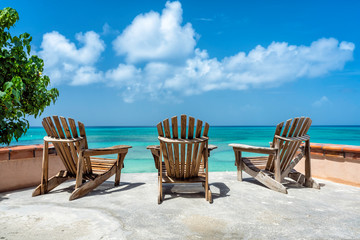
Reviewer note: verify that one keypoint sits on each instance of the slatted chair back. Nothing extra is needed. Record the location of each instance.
(297, 127)
(63, 129)
(186, 152)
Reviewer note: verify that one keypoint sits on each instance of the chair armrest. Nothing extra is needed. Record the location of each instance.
(253, 149)
(181, 141)
(211, 147)
(294, 139)
(105, 151)
(68, 140)
(157, 147)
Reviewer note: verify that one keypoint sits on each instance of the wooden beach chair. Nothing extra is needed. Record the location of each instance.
(72, 148)
(185, 155)
(285, 151)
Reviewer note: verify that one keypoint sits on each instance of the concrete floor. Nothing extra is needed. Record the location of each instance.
(240, 210)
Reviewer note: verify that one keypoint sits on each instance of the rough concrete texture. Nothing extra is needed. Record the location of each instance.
(240, 210)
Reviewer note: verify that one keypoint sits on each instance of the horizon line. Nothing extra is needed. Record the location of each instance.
(147, 126)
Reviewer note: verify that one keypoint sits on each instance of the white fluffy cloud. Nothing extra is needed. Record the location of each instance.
(154, 37)
(64, 62)
(161, 60)
(321, 102)
(261, 67)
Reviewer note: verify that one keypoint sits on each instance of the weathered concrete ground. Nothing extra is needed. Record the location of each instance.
(240, 210)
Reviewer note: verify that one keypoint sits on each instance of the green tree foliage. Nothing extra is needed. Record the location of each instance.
(23, 89)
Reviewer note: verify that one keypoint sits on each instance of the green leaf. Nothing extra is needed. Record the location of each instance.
(8, 85)
(23, 91)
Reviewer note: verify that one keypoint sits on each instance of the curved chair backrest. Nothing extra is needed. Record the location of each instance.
(297, 127)
(186, 152)
(60, 131)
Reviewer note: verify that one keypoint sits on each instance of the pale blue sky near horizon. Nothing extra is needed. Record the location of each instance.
(134, 63)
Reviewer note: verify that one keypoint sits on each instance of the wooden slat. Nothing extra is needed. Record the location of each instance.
(199, 157)
(74, 133)
(198, 128)
(284, 134)
(193, 140)
(188, 160)
(183, 157)
(169, 148)
(183, 126)
(191, 128)
(271, 157)
(167, 128)
(69, 136)
(49, 131)
(160, 129)
(59, 127)
(164, 151)
(65, 152)
(52, 127)
(66, 149)
(193, 159)
(104, 151)
(82, 132)
(174, 124)
(73, 127)
(289, 134)
(253, 149)
(206, 129)
(291, 146)
(183, 146)
(302, 131)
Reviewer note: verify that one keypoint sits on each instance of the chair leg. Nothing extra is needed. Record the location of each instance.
(79, 172)
(161, 196)
(206, 191)
(119, 165)
(45, 169)
(302, 180)
(52, 183)
(309, 182)
(239, 165)
(265, 179)
(209, 196)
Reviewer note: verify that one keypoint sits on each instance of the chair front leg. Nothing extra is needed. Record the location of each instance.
(119, 166)
(277, 163)
(79, 171)
(239, 164)
(45, 169)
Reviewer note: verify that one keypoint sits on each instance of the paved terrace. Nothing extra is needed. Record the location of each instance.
(244, 210)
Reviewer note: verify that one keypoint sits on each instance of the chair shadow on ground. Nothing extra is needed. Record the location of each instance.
(194, 190)
(2, 197)
(105, 188)
(289, 184)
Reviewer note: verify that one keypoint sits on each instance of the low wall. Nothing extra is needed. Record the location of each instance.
(20, 166)
(333, 162)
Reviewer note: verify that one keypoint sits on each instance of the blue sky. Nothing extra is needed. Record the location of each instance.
(132, 63)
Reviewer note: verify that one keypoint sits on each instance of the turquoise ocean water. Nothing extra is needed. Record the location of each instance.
(139, 159)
